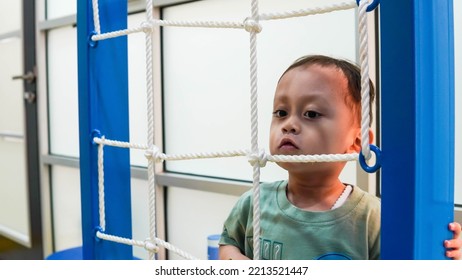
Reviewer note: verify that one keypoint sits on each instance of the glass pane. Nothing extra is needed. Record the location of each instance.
(210, 210)
(10, 13)
(14, 212)
(137, 90)
(63, 92)
(11, 91)
(458, 97)
(67, 222)
(140, 215)
(61, 8)
(206, 78)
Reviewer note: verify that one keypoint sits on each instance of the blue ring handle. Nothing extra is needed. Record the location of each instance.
(94, 133)
(96, 229)
(378, 160)
(371, 6)
(92, 43)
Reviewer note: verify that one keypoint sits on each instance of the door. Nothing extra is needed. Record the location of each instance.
(20, 210)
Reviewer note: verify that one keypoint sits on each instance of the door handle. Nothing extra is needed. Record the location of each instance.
(29, 77)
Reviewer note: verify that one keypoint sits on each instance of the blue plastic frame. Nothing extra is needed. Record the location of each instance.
(373, 4)
(103, 108)
(417, 99)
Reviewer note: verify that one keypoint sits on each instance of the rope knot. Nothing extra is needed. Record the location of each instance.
(149, 246)
(146, 26)
(259, 158)
(153, 153)
(251, 25)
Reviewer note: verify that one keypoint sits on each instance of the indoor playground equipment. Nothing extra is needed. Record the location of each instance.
(417, 119)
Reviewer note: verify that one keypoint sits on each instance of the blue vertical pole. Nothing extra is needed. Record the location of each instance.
(417, 97)
(103, 107)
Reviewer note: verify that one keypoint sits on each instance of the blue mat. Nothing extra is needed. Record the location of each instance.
(68, 254)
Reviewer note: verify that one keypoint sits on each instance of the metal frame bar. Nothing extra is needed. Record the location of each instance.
(103, 106)
(133, 7)
(57, 22)
(60, 160)
(193, 182)
(160, 3)
(220, 186)
(32, 132)
(417, 62)
(9, 35)
(14, 135)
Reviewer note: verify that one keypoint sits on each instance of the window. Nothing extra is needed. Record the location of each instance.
(62, 91)
(61, 8)
(14, 188)
(206, 78)
(206, 94)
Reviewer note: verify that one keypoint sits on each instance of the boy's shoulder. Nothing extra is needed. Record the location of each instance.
(266, 188)
(367, 199)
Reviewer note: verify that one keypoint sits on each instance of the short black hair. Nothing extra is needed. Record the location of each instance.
(351, 71)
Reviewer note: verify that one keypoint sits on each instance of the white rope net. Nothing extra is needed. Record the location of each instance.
(257, 157)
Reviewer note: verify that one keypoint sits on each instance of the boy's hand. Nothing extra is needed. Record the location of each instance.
(453, 246)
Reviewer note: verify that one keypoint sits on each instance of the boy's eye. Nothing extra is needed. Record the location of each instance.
(279, 113)
(312, 114)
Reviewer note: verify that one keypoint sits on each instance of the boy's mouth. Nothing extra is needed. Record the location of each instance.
(287, 144)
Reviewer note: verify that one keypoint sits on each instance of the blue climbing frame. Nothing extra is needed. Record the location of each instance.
(417, 99)
(103, 110)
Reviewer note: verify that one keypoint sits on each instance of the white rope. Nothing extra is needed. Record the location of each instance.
(120, 144)
(256, 157)
(118, 33)
(174, 249)
(150, 116)
(261, 157)
(102, 207)
(313, 158)
(365, 92)
(310, 11)
(253, 30)
(96, 17)
(198, 23)
(188, 156)
(147, 244)
(150, 24)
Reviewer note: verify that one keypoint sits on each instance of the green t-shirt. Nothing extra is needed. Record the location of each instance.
(351, 231)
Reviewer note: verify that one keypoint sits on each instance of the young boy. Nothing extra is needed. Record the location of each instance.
(313, 215)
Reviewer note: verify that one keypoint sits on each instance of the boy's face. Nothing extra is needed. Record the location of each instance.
(310, 116)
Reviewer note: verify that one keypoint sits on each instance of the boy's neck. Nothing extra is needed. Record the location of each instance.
(314, 195)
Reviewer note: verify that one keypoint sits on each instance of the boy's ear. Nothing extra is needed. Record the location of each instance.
(371, 136)
(356, 146)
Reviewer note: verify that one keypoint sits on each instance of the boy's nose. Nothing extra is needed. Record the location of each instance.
(291, 126)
